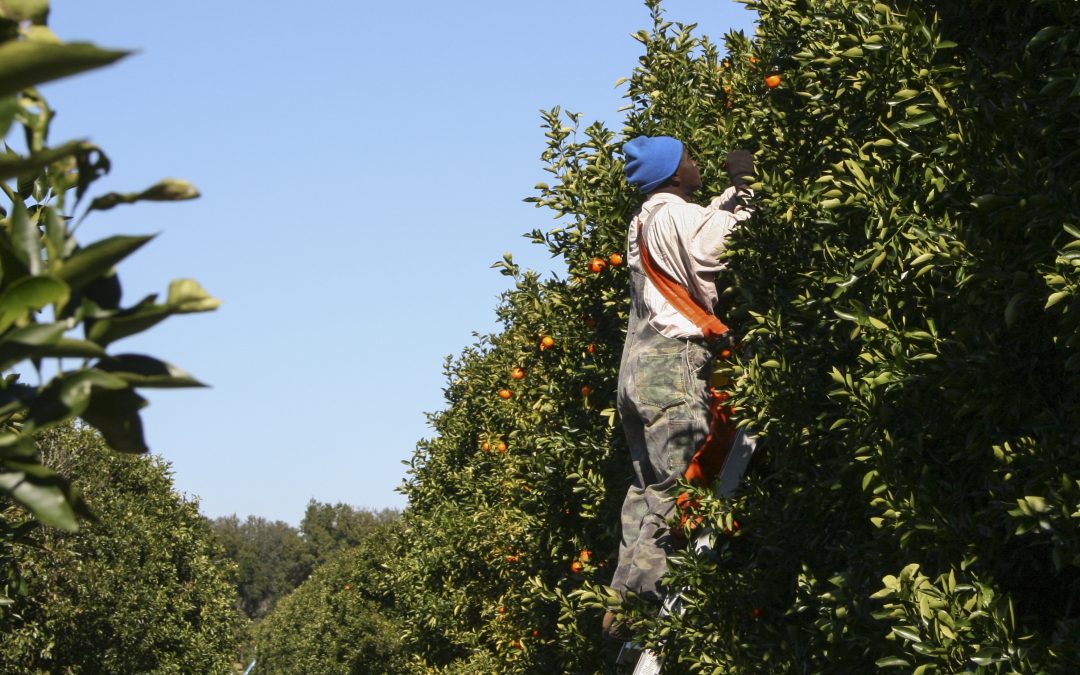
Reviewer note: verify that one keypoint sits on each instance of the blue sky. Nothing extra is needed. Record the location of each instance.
(361, 165)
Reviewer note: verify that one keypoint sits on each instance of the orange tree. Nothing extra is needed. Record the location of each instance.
(144, 588)
(61, 298)
(907, 299)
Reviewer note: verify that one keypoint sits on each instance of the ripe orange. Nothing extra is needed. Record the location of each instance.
(348, 587)
(547, 342)
(586, 390)
(505, 394)
(753, 60)
(615, 259)
(517, 373)
(536, 633)
(485, 446)
(576, 567)
(501, 447)
(725, 353)
(585, 555)
(502, 610)
(597, 265)
(772, 81)
(512, 558)
(591, 348)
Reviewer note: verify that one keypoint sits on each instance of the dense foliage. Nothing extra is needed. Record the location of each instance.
(339, 620)
(907, 299)
(273, 558)
(144, 588)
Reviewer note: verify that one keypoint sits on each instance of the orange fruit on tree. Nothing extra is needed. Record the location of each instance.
(591, 348)
(502, 610)
(585, 555)
(576, 567)
(615, 259)
(536, 633)
(772, 81)
(597, 265)
(505, 394)
(753, 60)
(501, 447)
(517, 373)
(547, 342)
(586, 390)
(485, 446)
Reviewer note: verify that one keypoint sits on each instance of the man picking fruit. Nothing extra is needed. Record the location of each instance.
(664, 396)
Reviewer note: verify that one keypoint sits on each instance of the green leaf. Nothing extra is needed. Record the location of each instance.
(69, 395)
(47, 497)
(36, 11)
(70, 348)
(13, 165)
(986, 656)
(129, 322)
(892, 662)
(145, 371)
(1055, 298)
(116, 415)
(97, 259)
(919, 121)
(187, 296)
(30, 294)
(24, 342)
(168, 190)
(25, 64)
(1044, 35)
(25, 238)
(9, 106)
(1013, 308)
(908, 633)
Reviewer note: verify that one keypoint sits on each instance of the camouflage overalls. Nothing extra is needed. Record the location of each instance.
(663, 403)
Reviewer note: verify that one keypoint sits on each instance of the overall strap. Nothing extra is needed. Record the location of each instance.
(677, 294)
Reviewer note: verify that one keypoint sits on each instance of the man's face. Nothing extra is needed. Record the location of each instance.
(687, 173)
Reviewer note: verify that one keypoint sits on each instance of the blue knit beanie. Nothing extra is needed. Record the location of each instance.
(651, 160)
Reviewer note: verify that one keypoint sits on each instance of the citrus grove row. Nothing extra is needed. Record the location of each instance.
(906, 301)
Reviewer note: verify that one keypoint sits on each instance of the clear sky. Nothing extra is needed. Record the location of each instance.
(362, 165)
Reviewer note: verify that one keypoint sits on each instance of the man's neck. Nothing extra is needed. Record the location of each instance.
(673, 190)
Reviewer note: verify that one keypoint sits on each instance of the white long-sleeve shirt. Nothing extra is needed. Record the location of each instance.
(685, 241)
